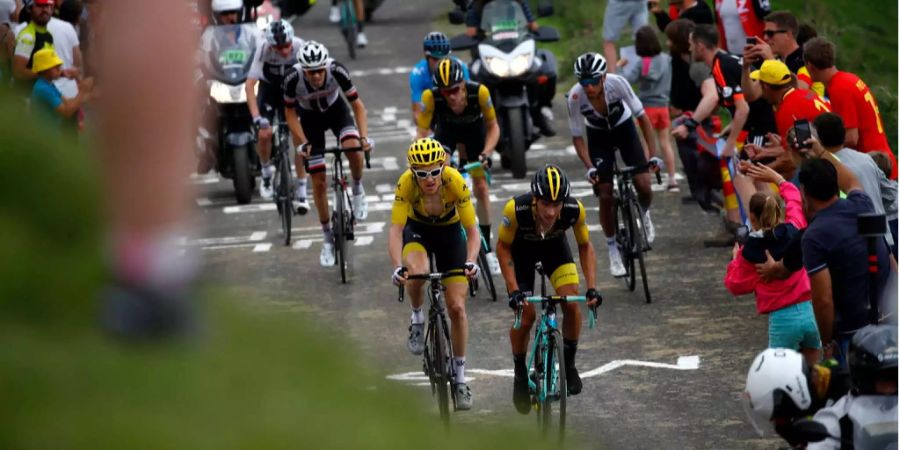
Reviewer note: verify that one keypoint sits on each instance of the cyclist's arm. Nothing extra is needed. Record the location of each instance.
(649, 135)
(585, 249)
(507, 233)
(492, 137)
(490, 120)
(426, 115)
(293, 123)
(576, 128)
(289, 87)
(250, 89)
(581, 149)
(362, 118)
(467, 220)
(342, 76)
(399, 214)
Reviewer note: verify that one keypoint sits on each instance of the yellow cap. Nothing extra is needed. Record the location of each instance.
(772, 72)
(44, 59)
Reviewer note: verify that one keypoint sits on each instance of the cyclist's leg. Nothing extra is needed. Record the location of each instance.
(415, 259)
(314, 129)
(453, 256)
(347, 134)
(523, 255)
(361, 40)
(470, 150)
(632, 151)
(600, 147)
(265, 100)
(564, 278)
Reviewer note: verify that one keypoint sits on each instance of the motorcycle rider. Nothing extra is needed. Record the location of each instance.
(541, 88)
(274, 57)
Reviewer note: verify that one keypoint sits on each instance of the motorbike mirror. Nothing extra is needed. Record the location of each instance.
(456, 17)
(463, 42)
(810, 430)
(545, 10)
(546, 34)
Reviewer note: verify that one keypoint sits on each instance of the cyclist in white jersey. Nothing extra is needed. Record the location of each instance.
(273, 59)
(313, 105)
(605, 106)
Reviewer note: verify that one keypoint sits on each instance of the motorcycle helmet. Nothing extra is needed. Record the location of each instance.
(590, 65)
(550, 183)
(436, 44)
(313, 56)
(448, 73)
(778, 386)
(425, 152)
(279, 33)
(219, 6)
(872, 355)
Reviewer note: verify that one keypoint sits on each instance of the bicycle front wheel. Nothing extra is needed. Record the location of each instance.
(440, 365)
(626, 241)
(339, 225)
(284, 196)
(555, 387)
(640, 239)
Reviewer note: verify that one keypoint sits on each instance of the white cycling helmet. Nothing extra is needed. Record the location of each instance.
(227, 5)
(313, 56)
(590, 65)
(777, 385)
(279, 32)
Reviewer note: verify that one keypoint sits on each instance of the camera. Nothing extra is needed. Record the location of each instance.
(871, 224)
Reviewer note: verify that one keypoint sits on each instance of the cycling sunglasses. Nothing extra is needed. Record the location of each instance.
(284, 46)
(314, 71)
(771, 33)
(589, 82)
(451, 90)
(423, 174)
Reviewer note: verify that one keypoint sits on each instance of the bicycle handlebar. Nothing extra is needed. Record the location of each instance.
(554, 299)
(434, 276)
(340, 150)
(474, 167)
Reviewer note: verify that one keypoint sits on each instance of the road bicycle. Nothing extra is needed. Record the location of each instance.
(436, 360)
(283, 181)
(546, 363)
(342, 219)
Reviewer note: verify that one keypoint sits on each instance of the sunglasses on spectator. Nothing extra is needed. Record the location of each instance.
(451, 90)
(589, 81)
(423, 174)
(772, 33)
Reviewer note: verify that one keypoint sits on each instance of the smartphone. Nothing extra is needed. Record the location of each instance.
(751, 40)
(871, 224)
(802, 133)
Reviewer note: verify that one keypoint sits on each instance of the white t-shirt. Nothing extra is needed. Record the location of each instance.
(622, 104)
(65, 41)
(731, 23)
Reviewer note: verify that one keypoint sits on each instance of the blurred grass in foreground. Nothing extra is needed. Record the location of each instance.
(251, 381)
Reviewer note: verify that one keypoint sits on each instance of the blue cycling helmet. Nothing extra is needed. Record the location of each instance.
(436, 44)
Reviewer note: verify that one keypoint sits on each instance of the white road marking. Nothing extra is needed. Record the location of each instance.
(203, 201)
(363, 240)
(380, 71)
(383, 188)
(256, 236)
(390, 109)
(302, 244)
(253, 207)
(390, 163)
(259, 248)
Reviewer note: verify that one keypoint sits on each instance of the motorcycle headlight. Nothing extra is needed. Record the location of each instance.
(223, 93)
(520, 64)
(498, 66)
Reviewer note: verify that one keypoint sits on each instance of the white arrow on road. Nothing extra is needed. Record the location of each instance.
(683, 363)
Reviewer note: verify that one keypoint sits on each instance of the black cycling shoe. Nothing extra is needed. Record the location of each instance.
(573, 381)
(544, 125)
(521, 396)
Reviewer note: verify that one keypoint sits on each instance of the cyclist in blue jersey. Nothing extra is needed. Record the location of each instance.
(436, 46)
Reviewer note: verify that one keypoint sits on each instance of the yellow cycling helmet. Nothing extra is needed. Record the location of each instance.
(425, 152)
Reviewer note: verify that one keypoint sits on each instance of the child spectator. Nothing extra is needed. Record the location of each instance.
(653, 76)
(888, 195)
(46, 98)
(776, 220)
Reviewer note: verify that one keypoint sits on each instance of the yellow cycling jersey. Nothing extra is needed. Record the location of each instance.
(518, 223)
(456, 199)
(435, 108)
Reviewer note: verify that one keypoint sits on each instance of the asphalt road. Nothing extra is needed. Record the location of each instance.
(698, 339)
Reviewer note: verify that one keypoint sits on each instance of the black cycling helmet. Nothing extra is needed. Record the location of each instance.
(872, 355)
(279, 33)
(436, 44)
(590, 65)
(448, 72)
(550, 183)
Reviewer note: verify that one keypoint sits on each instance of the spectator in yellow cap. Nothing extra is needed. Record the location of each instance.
(45, 96)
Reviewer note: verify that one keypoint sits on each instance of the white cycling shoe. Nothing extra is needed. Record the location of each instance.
(326, 257)
(616, 267)
(649, 229)
(334, 15)
(301, 205)
(265, 188)
(493, 263)
(360, 206)
(361, 40)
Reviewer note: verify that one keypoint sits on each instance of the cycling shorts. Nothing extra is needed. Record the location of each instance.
(336, 118)
(553, 254)
(470, 135)
(269, 99)
(446, 242)
(602, 144)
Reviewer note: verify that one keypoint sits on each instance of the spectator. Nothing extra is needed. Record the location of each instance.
(693, 99)
(889, 196)
(777, 85)
(43, 30)
(830, 130)
(70, 11)
(776, 220)
(654, 78)
(696, 11)
(45, 96)
(781, 29)
(851, 99)
(617, 14)
(834, 254)
(737, 21)
(7, 38)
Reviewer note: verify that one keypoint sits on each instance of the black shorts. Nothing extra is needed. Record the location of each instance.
(446, 242)
(269, 99)
(553, 254)
(470, 135)
(336, 118)
(602, 144)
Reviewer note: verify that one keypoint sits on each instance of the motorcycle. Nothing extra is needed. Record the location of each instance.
(226, 67)
(507, 62)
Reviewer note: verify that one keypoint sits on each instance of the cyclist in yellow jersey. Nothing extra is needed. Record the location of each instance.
(534, 230)
(433, 213)
(463, 117)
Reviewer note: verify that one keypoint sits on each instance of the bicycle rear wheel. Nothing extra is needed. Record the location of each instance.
(440, 359)
(626, 242)
(283, 192)
(639, 245)
(486, 275)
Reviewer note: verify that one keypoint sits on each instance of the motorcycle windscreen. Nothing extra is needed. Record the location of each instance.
(503, 22)
(232, 52)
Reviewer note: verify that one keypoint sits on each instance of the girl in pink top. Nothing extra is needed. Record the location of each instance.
(776, 220)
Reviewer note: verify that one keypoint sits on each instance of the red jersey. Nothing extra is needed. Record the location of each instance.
(852, 100)
(797, 104)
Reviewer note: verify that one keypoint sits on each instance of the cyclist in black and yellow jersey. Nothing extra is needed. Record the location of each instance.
(433, 214)
(533, 229)
(463, 118)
